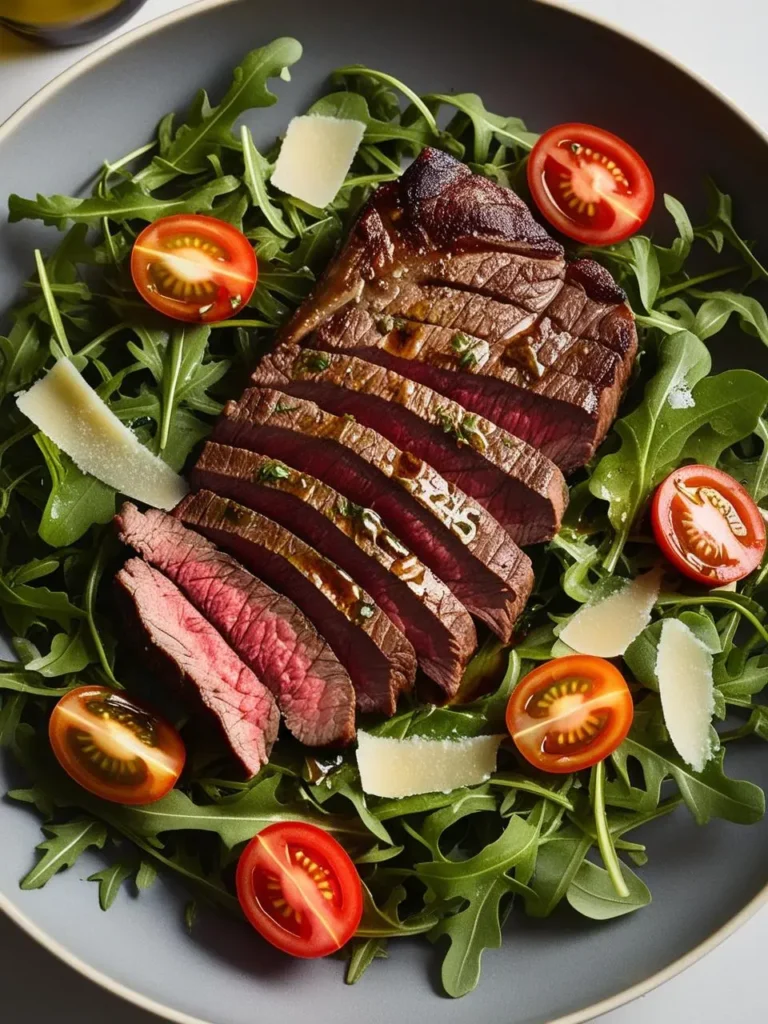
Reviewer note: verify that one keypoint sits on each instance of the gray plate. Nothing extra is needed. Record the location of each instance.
(547, 66)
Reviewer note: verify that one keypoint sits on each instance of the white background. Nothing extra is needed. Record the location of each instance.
(724, 41)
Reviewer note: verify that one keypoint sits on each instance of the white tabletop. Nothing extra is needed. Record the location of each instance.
(723, 42)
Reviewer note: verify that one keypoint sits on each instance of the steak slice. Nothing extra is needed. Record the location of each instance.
(555, 390)
(265, 629)
(463, 545)
(448, 249)
(187, 649)
(356, 539)
(379, 659)
(519, 486)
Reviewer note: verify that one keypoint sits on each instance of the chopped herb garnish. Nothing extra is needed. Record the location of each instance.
(284, 407)
(465, 429)
(314, 362)
(471, 351)
(367, 611)
(273, 470)
(385, 324)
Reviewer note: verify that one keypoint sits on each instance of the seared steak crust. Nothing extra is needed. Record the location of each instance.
(462, 543)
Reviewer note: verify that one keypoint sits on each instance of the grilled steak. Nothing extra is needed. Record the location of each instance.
(463, 545)
(451, 253)
(187, 649)
(265, 629)
(356, 539)
(379, 659)
(519, 486)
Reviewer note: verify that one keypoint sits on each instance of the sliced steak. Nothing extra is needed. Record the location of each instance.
(548, 386)
(519, 486)
(188, 650)
(438, 212)
(357, 540)
(463, 545)
(379, 659)
(455, 252)
(266, 630)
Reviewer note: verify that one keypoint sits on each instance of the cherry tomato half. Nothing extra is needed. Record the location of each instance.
(114, 747)
(299, 889)
(194, 268)
(707, 525)
(590, 184)
(570, 713)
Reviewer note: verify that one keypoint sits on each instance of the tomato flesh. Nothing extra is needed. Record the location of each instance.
(299, 889)
(570, 713)
(707, 525)
(590, 184)
(115, 747)
(194, 268)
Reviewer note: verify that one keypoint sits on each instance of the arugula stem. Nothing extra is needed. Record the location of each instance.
(721, 600)
(240, 323)
(104, 336)
(611, 560)
(692, 282)
(176, 351)
(91, 587)
(380, 76)
(369, 179)
(53, 309)
(604, 838)
(382, 157)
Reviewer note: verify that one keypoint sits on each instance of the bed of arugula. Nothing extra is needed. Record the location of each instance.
(448, 866)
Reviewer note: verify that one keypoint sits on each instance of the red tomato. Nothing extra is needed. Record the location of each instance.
(194, 268)
(299, 889)
(590, 184)
(114, 747)
(570, 713)
(707, 525)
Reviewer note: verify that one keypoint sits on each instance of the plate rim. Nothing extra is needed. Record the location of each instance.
(99, 56)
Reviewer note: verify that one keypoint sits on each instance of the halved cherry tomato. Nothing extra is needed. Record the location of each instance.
(707, 525)
(299, 889)
(570, 713)
(590, 184)
(194, 268)
(115, 747)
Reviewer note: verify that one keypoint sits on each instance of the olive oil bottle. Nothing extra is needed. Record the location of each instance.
(65, 22)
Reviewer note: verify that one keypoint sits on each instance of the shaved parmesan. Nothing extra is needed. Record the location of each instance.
(316, 155)
(394, 768)
(608, 627)
(67, 409)
(684, 671)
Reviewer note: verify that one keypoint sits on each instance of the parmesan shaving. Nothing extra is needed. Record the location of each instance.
(67, 409)
(406, 767)
(684, 671)
(316, 155)
(607, 628)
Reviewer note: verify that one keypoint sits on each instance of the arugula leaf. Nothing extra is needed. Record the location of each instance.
(69, 653)
(708, 794)
(66, 844)
(364, 952)
(557, 864)
(593, 895)
(110, 880)
(209, 127)
(672, 260)
(717, 308)
(481, 882)
(132, 204)
(510, 131)
(76, 500)
(257, 172)
(720, 230)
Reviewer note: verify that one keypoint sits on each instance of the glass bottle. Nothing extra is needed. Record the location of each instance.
(65, 22)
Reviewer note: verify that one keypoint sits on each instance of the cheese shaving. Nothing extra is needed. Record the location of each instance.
(684, 671)
(608, 627)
